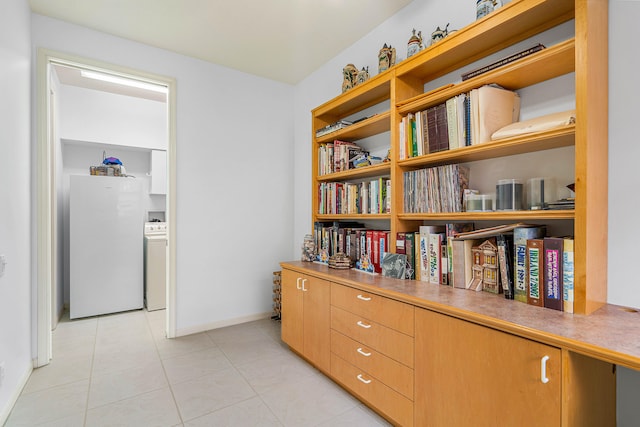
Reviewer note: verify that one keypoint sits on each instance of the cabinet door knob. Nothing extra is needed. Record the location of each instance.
(363, 298)
(543, 369)
(363, 380)
(362, 352)
(363, 325)
(303, 288)
(298, 283)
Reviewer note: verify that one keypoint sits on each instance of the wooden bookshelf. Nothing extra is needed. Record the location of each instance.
(403, 89)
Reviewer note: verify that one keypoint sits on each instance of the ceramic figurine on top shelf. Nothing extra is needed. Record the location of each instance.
(386, 58)
(485, 7)
(415, 43)
(363, 75)
(439, 34)
(349, 76)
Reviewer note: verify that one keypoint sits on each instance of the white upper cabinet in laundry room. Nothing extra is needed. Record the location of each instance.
(158, 172)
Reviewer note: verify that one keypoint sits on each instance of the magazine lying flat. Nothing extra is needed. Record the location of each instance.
(490, 232)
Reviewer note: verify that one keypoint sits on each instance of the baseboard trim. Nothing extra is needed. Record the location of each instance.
(222, 323)
(13, 398)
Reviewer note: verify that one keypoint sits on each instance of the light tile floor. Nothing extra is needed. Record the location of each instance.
(120, 370)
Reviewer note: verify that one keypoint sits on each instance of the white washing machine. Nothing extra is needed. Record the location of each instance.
(155, 265)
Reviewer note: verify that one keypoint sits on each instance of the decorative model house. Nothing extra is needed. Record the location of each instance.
(485, 267)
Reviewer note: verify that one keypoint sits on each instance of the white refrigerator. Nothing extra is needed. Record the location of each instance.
(106, 218)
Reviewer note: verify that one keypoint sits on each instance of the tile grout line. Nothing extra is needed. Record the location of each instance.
(93, 356)
(164, 371)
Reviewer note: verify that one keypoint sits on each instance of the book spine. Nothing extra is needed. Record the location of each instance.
(535, 270)
(424, 257)
(567, 275)
(520, 237)
(553, 294)
(410, 251)
(504, 258)
(434, 258)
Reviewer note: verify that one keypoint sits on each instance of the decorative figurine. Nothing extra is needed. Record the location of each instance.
(415, 43)
(363, 75)
(386, 58)
(485, 7)
(349, 76)
(439, 34)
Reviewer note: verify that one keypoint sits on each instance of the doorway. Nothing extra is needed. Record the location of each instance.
(47, 176)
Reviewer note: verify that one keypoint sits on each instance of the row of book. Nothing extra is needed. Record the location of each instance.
(516, 260)
(466, 119)
(367, 247)
(339, 156)
(436, 189)
(368, 197)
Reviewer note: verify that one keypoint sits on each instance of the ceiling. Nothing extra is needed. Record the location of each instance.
(282, 40)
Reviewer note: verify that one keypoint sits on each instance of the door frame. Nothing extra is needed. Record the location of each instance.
(45, 192)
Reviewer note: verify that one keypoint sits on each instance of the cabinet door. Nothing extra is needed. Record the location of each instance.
(158, 172)
(466, 374)
(317, 321)
(292, 314)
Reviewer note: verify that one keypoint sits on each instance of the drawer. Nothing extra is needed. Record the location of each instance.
(387, 341)
(388, 402)
(394, 374)
(391, 313)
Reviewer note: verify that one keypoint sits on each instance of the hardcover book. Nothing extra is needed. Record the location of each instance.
(520, 237)
(535, 272)
(462, 262)
(491, 109)
(504, 61)
(553, 258)
(424, 233)
(567, 274)
(435, 258)
(410, 245)
(505, 243)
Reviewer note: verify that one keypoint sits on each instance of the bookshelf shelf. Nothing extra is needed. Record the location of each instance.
(551, 62)
(582, 57)
(357, 217)
(372, 126)
(503, 28)
(540, 141)
(511, 216)
(381, 169)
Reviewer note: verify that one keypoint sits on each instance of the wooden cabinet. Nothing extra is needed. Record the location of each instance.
(468, 374)
(372, 350)
(408, 88)
(158, 172)
(306, 317)
(421, 355)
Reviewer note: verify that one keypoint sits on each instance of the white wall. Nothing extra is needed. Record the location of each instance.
(95, 116)
(624, 150)
(15, 196)
(234, 145)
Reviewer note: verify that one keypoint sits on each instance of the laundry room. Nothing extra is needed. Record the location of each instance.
(110, 150)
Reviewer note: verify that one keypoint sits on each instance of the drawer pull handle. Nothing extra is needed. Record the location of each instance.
(363, 352)
(543, 369)
(363, 298)
(298, 283)
(303, 288)
(363, 325)
(363, 380)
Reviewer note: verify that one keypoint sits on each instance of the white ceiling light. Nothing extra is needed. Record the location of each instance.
(123, 81)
